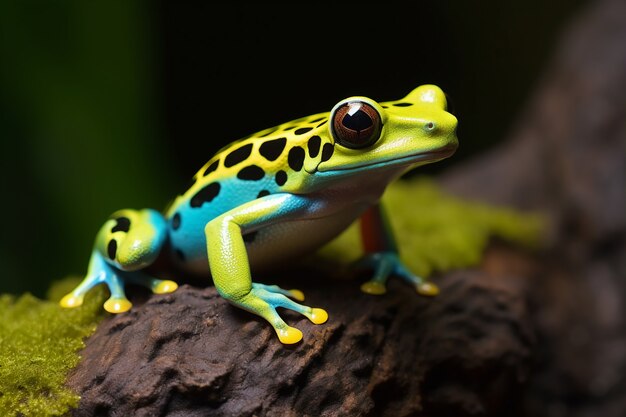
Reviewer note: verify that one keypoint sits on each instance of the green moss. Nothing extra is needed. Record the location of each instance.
(39, 343)
(438, 232)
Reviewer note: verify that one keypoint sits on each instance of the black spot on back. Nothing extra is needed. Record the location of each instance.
(281, 177)
(123, 225)
(211, 168)
(249, 237)
(263, 193)
(314, 146)
(402, 104)
(272, 149)
(205, 195)
(327, 151)
(238, 155)
(302, 130)
(289, 128)
(296, 158)
(112, 249)
(176, 221)
(321, 124)
(180, 254)
(251, 173)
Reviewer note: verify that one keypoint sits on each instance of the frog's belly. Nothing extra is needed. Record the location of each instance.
(286, 241)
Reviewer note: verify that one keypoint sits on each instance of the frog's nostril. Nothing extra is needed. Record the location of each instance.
(430, 126)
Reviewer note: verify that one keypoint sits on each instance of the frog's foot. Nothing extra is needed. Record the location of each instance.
(385, 264)
(117, 302)
(263, 300)
(157, 286)
(102, 272)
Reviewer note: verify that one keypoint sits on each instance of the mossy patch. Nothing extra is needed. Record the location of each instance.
(438, 232)
(39, 343)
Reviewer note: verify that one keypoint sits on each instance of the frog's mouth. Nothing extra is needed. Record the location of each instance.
(420, 158)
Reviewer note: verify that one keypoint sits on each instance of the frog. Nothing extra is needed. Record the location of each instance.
(276, 196)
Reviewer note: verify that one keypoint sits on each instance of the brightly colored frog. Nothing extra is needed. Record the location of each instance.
(276, 195)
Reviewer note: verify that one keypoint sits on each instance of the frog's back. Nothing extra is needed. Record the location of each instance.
(271, 161)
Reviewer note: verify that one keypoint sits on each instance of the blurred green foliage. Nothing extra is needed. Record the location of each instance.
(39, 344)
(76, 115)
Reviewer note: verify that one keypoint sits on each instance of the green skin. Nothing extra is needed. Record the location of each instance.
(277, 195)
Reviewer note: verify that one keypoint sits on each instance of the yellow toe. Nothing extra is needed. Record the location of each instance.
(117, 305)
(373, 288)
(318, 316)
(428, 289)
(165, 286)
(71, 301)
(289, 335)
(297, 295)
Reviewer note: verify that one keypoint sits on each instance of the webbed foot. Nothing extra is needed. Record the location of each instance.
(102, 272)
(385, 264)
(263, 300)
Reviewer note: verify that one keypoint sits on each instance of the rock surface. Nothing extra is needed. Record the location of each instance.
(190, 353)
(520, 335)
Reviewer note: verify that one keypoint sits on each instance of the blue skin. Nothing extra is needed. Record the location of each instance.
(190, 237)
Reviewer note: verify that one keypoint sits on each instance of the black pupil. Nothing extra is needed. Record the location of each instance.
(358, 121)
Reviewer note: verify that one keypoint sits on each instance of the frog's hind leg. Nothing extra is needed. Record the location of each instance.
(95, 276)
(99, 272)
(127, 243)
(382, 256)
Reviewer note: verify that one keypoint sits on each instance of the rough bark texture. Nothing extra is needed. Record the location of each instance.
(522, 334)
(190, 353)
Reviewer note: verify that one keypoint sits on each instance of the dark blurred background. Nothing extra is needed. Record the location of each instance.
(116, 104)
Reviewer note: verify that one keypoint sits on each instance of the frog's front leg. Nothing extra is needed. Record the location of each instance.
(228, 260)
(126, 243)
(381, 255)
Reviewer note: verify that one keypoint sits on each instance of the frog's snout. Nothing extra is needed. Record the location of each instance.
(440, 131)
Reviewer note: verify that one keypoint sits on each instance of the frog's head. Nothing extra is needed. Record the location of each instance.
(413, 131)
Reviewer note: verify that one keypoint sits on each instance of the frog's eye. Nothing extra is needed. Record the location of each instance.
(356, 124)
